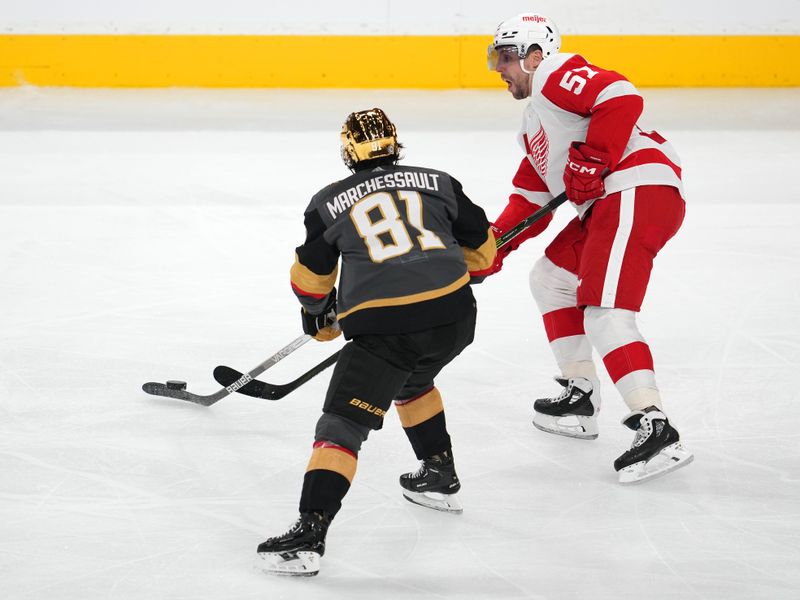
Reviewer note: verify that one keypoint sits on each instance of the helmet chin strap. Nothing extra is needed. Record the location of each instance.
(522, 66)
(530, 79)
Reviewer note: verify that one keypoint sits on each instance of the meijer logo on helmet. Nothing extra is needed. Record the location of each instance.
(534, 18)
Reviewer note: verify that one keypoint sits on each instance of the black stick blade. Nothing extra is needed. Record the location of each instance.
(269, 391)
(227, 376)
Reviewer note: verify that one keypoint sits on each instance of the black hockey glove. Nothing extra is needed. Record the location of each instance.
(323, 326)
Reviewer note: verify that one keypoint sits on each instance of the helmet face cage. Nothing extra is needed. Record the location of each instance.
(367, 135)
(521, 33)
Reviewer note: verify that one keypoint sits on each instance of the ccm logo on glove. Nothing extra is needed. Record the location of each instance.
(583, 175)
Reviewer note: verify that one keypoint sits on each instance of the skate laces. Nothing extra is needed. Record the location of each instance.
(421, 472)
(566, 393)
(426, 467)
(298, 525)
(644, 431)
(311, 521)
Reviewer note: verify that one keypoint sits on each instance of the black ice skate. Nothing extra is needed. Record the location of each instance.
(434, 485)
(656, 449)
(573, 413)
(296, 552)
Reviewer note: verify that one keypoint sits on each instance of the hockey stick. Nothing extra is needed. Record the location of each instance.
(260, 389)
(269, 391)
(247, 384)
(528, 221)
(161, 389)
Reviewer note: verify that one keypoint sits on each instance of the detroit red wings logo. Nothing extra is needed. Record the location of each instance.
(539, 148)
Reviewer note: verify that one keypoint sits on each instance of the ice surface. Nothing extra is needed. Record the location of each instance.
(147, 235)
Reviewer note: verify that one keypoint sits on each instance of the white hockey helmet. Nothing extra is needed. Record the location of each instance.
(522, 32)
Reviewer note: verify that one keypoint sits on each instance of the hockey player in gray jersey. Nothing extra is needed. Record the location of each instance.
(407, 239)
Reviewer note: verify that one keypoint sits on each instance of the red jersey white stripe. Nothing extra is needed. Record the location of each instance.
(618, 247)
(573, 100)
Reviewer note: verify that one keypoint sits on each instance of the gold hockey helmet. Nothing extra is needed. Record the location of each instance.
(367, 135)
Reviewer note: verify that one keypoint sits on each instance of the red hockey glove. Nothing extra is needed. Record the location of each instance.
(517, 209)
(583, 175)
(478, 276)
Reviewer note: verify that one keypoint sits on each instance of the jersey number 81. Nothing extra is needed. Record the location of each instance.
(377, 233)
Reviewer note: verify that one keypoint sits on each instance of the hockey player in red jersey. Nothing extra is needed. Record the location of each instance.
(408, 239)
(580, 135)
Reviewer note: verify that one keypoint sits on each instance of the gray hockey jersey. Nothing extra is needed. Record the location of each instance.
(407, 238)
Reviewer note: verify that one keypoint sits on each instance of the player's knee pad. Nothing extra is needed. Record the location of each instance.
(341, 431)
(552, 287)
(363, 386)
(610, 328)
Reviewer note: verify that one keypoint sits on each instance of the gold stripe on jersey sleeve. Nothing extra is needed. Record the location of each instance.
(331, 459)
(420, 409)
(308, 281)
(483, 257)
(410, 299)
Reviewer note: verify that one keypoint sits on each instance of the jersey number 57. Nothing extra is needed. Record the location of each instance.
(574, 82)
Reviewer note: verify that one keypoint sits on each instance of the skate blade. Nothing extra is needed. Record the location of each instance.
(584, 429)
(443, 502)
(669, 459)
(301, 564)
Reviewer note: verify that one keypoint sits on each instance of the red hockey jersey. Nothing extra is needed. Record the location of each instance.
(573, 100)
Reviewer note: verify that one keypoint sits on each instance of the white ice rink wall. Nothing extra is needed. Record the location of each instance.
(388, 43)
